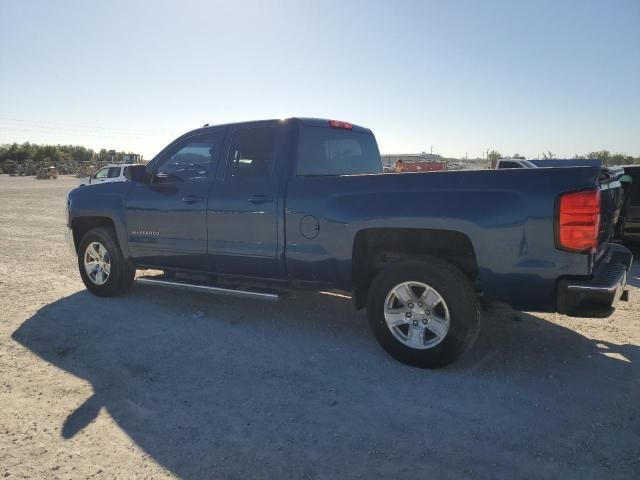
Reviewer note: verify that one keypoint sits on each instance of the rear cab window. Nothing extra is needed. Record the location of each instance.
(325, 150)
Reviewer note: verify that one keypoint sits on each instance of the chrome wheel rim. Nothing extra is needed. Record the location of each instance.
(97, 263)
(417, 315)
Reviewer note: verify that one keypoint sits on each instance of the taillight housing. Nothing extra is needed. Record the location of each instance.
(578, 221)
(340, 124)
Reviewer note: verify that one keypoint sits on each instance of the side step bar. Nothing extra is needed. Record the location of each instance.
(199, 287)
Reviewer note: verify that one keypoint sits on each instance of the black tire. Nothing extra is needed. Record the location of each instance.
(460, 298)
(121, 273)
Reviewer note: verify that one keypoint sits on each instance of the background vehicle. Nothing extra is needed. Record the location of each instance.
(513, 163)
(419, 166)
(567, 162)
(629, 223)
(111, 173)
(50, 173)
(259, 208)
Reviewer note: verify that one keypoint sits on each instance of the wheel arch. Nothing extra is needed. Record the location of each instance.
(81, 225)
(374, 249)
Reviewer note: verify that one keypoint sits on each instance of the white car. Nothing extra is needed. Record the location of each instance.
(514, 163)
(111, 173)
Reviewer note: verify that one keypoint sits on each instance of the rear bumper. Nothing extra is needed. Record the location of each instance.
(597, 296)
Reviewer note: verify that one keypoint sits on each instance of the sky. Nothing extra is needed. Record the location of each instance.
(455, 77)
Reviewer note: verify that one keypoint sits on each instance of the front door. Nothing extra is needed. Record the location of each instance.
(167, 218)
(243, 220)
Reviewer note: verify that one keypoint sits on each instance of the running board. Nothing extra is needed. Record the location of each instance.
(198, 287)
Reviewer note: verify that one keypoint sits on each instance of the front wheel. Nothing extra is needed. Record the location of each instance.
(104, 270)
(424, 313)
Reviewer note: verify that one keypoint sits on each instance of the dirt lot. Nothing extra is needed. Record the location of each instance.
(172, 384)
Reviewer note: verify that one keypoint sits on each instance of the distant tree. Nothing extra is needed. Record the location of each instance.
(28, 158)
(621, 159)
(517, 156)
(549, 155)
(494, 156)
(602, 155)
(29, 167)
(10, 166)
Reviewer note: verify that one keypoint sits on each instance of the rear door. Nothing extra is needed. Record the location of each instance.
(243, 211)
(167, 217)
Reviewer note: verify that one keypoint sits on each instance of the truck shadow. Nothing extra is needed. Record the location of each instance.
(230, 388)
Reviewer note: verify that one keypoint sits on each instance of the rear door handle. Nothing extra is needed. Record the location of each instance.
(191, 199)
(257, 199)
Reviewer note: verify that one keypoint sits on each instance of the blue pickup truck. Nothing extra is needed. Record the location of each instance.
(259, 208)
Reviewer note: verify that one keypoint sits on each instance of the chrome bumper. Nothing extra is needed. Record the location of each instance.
(598, 295)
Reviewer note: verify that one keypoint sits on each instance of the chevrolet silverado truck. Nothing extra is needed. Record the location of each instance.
(260, 208)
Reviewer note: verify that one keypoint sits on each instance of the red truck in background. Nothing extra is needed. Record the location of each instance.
(420, 166)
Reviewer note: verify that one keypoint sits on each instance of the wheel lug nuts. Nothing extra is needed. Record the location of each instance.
(415, 322)
(410, 305)
(425, 321)
(408, 314)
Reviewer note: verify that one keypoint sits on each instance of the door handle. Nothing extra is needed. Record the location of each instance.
(191, 199)
(257, 199)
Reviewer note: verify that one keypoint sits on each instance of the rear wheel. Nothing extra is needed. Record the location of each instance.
(424, 313)
(104, 270)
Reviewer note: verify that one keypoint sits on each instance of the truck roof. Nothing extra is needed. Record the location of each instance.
(311, 121)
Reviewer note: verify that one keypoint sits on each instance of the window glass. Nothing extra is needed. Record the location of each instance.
(102, 173)
(508, 164)
(114, 172)
(334, 151)
(191, 161)
(252, 152)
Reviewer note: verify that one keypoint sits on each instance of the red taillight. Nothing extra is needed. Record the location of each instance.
(579, 221)
(340, 124)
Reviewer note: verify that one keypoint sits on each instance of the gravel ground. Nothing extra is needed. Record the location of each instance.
(161, 384)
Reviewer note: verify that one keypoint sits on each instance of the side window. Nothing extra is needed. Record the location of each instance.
(114, 172)
(102, 173)
(252, 152)
(192, 160)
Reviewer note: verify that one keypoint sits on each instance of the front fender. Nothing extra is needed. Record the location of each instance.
(106, 201)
